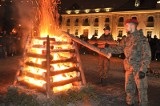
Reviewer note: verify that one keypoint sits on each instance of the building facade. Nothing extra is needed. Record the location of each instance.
(89, 22)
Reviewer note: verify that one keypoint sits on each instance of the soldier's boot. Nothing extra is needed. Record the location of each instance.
(143, 97)
(143, 104)
(130, 99)
(100, 81)
(104, 81)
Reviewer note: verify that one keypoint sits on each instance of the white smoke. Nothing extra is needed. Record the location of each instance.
(26, 18)
(26, 12)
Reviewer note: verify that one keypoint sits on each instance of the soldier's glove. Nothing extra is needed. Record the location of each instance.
(141, 75)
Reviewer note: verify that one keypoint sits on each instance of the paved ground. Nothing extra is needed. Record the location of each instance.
(112, 94)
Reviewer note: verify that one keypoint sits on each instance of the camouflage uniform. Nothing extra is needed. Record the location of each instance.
(103, 62)
(138, 56)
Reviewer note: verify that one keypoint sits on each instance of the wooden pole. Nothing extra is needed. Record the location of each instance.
(89, 46)
(80, 64)
(48, 87)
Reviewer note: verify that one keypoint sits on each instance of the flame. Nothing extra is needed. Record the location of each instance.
(48, 17)
(39, 83)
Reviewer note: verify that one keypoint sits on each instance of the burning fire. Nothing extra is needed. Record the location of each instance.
(48, 16)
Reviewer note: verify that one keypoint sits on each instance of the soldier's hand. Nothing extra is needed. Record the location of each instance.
(109, 55)
(141, 75)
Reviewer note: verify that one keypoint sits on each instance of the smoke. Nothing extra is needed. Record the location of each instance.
(26, 15)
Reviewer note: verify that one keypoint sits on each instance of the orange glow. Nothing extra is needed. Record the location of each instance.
(48, 15)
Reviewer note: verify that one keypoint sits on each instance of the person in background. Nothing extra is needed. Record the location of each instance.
(103, 62)
(84, 37)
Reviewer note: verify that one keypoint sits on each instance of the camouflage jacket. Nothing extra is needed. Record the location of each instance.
(136, 49)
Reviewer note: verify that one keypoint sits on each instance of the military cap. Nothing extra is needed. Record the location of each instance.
(107, 28)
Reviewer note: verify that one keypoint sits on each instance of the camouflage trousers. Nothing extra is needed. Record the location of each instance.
(133, 83)
(103, 66)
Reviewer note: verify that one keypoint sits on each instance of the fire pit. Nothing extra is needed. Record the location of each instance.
(51, 59)
(51, 65)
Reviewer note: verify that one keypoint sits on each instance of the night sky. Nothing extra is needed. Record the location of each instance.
(117, 4)
(93, 3)
(9, 11)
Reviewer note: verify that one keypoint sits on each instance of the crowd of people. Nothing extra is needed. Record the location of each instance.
(153, 41)
(155, 47)
(10, 44)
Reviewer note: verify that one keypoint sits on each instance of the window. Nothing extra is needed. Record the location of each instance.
(68, 22)
(68, 30)
(150, 21)
(149, 33)
(120, 33)
(107, 22)
(121, 22)
(96, 22)
(76, 32)
(86, 22)
(96, 32)
(76, 22)
(134, 18)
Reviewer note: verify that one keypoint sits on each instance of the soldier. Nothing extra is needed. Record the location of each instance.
(138, 56)
(103, 61)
